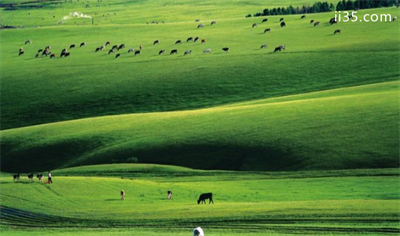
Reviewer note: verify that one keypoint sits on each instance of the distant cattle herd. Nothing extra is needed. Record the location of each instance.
(116, 49)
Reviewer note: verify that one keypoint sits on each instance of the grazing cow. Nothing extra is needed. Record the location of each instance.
(72, 46)
(333, 21)
(283, 24)
(118, 55)
(338, 31)
(208, 50)
(82, 44)
(203, 41)
(122, 195)
(178, 42)
(311, 21)
(16, 177)
(52, 55)
(47, 48)
(37, 55)
(40, 177)
(21, 50)
(108, 43)
(197, 20)
(111, 51)
(114, 47)
(28, 41)
(131, 50)
(189, 39)
(303, 16)
(203, 197)
(198, 232)
(30, 177)
(280, 48)
(267, 30)
(187, 52)
(97, 49)
(21, 53)
(394, 18)
(161, 52)
(156, 42)
(213, 22)
(254, 25)
(138, 52)
(200, 26)
(121, 46)
(40, 50)
(316, 23)
(263, 46)
(67, 54)
(225, 49)
(174, 51)
(264, 20)
(281, 20)
(196, 39)
(169, 196)
(45, 52)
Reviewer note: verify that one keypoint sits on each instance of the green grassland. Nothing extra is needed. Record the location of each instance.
(303, 141)
(313, 202)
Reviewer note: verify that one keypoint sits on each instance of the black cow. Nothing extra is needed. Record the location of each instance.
(156, 42)
(138, 52)
(40, 50)
(316, 23)
(333, 21)
(303, 16)
(225, 49)
(114, 47)
(111, 51)
(178, 42)
(21, 53)
(72, 46)
(40, 177)
(37, 55)
(97, 49)
(189, 39)
(161, 52)
(338, 31)
(203, 197)
(67, 54)
(264, 20)
(52, 55)
(311, 21)
(187, 52)
(267, 30)
(281, 20)
(200, 26)
(118, 55)
(16, 177)
(280, 48)
(254, 25)
(30, 177)
(108, 43)
(174, 51)
(28, 41)
(121, 46)
(283, 24)
(82, 44)
(196, 39)
(263, 46)
(213, 22)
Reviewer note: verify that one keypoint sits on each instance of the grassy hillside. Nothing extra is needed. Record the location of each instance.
(339, 129)
(89, 84)
(308, 204)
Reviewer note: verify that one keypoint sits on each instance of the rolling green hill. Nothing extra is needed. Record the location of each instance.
(249, 109)
(339, 129)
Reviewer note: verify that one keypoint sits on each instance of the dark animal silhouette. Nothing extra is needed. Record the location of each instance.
(40, 50)
(303, 16)
(52, 55)
(283, 24)
(281, 20)
(37, 55)
(174, 51)
(254, 25)
(200, 26)
(30, 177)
(196, 39)
(156, 42)
(40, 177)
(338, 31)
(82, 44)
(203, 41)
(332, 21)
(21, 53)
(213, 22)
(118, 55)
(16, 177)
(72, 46)
(111, 51)
(316, 23)
(138, 52)
(225, 49)
(263, 46)
(28, 41)
(311, 21)
(161, 52)
(187, 52)
(189, 39)
(264, 20)
(178, 42)
(280, 48)
(121, 46)
(267, 30)
(203, 197)
(97, 49)
(108, 43)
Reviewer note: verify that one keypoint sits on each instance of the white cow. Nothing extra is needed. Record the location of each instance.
(198, 232)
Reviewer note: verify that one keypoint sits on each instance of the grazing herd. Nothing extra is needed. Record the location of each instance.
(16, 177)
(117, 48)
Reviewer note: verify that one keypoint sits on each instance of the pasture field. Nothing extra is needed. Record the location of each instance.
(299, 142)
(309, 202)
